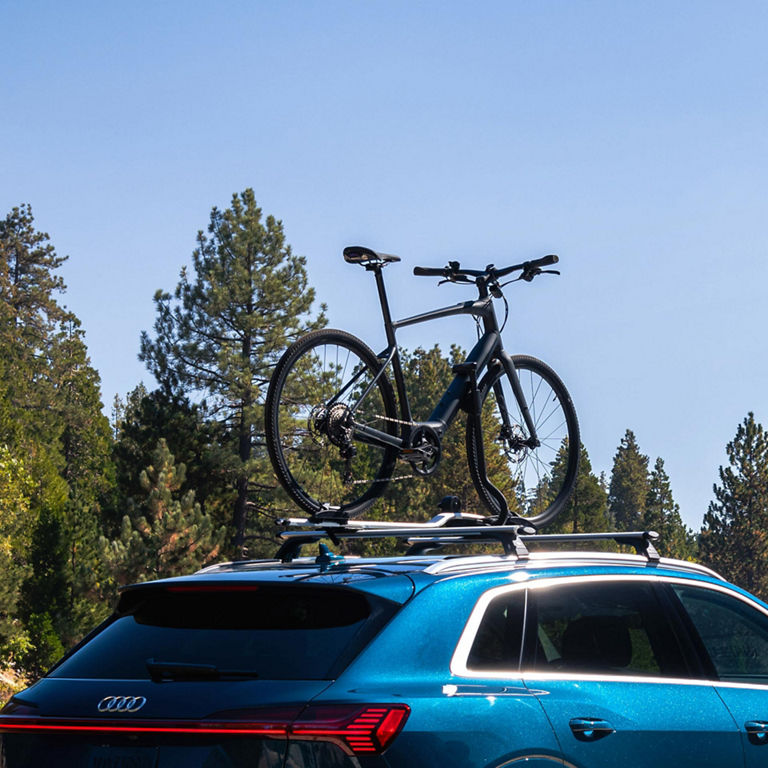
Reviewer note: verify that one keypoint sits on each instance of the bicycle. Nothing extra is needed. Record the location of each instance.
(334, 431)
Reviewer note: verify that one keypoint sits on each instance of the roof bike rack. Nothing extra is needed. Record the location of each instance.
(452, 527)
(444, 529)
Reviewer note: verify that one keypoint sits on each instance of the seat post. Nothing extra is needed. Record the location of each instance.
(388, 329)
(402, 395)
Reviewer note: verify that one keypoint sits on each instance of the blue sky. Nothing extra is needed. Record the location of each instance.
(628, 137)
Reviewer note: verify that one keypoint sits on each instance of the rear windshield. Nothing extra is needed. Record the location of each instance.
(277, 633)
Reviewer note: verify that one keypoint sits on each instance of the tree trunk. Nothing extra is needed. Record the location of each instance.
(244, 451)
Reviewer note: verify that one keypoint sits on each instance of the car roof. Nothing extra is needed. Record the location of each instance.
(526, 554)
(351, 570)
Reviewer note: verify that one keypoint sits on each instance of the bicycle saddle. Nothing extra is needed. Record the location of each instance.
(359, 254)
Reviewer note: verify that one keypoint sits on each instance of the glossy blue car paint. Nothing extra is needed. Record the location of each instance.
(459, 716)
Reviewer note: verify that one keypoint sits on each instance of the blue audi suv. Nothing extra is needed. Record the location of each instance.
(535, 656)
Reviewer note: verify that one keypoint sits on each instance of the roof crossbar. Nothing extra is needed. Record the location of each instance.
(642, 541)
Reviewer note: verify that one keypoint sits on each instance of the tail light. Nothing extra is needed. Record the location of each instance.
(366, 729)
(357, 729)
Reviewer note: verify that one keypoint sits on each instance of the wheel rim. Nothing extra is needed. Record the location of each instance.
(313, 428)
(537, 478)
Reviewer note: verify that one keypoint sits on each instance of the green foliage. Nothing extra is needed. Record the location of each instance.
(46, 647)
(45, 596)
(50, 414)
(167, 535)
(139, 423)
(15, 492)
(12, 680)
(220, 334)
(734, 538)
(587, 509)
(629, 485)
(662, 515)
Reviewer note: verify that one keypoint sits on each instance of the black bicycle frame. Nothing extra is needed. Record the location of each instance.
(487, 353)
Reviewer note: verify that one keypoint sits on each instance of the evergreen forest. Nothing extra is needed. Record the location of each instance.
(167, 479)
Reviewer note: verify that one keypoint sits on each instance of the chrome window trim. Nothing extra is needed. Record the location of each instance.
(458, 665)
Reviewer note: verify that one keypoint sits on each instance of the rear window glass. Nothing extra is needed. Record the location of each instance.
(276, 633)
(499, 638)
(610, 628)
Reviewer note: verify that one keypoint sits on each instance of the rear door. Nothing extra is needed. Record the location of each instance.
(733, 633)
(615, 677)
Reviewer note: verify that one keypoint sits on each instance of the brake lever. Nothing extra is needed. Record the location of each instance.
(529, 274)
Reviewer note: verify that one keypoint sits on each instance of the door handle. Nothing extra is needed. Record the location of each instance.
(590, 728)
(757, 731)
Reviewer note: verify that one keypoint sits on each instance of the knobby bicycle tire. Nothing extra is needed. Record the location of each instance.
(303, 410)
(537, 482)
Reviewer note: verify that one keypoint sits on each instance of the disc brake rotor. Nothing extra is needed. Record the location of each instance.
(513, 444)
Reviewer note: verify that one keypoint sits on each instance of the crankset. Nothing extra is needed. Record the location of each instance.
(423, 451)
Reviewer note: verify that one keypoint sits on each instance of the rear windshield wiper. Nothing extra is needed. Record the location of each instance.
(180, 670)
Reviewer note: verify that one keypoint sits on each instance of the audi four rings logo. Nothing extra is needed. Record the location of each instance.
(121, 704)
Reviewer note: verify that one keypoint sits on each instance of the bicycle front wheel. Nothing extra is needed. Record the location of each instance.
(536, 480)
(311, 405)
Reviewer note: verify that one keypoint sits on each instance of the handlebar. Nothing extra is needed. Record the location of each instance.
(454, 271)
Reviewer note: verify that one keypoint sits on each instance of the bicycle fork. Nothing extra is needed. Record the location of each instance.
(474, 412)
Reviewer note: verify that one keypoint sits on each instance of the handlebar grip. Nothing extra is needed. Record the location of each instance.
(546, 261)
(430, 271)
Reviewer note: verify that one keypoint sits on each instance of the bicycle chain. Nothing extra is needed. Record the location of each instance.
(396, 421)
(382, 480)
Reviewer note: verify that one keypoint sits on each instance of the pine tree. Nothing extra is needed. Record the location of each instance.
(628, 490)
(734, 538)
(50, 415)
(142, 420)
(587, 509)
(45, 595)
(223, 330)
(662, 515)
(169, 535)
(30, 317)
(85, 445)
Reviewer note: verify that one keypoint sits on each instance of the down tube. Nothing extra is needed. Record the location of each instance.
(446, 410)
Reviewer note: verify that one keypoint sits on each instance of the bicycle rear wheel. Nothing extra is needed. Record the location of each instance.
(536, 481)
(308, 424)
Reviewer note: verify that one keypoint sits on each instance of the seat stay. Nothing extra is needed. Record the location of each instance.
(390, 354)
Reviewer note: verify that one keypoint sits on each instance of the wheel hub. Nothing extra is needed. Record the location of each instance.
(514, 444)
(339, 425)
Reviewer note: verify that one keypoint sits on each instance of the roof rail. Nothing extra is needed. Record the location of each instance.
(445, 529)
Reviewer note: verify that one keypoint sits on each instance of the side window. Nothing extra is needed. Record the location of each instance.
(499, 637)
(734, 634)
(610, 627)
